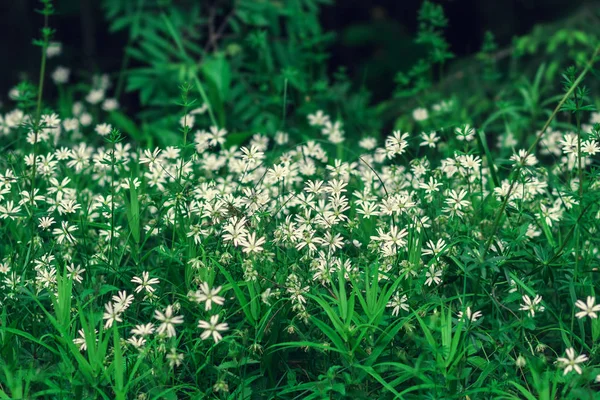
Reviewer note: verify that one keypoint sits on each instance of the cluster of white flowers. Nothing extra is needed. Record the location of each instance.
(240, 203)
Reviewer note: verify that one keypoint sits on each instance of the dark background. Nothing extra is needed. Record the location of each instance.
(374, 37)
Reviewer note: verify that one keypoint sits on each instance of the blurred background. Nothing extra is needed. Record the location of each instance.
(371, 37)
(266, 64)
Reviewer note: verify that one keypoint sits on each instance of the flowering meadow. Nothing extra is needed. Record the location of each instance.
(435, 260)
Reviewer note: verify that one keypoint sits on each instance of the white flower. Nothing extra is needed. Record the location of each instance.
(95, 96)
(208, 296)
(212, 328)
(61, 75)
(532, 306)
(429, 139)
(168, 321)
(65, 232)
(103, 129)
(398, 303)
(46, 222)
(137, 342)
(122, 301)
(318, 118)
(110, 104)
(80, 341)
(589, 309)
(74, 272)
(470, 316)
(251, 244)
(174, 358)
(144, 283)
(434, 249)
(465, 133)
(143, 330)
(9, 211)
(111, 315)
(420, 114)
(571, 362)
(433, 276)
(53, 49)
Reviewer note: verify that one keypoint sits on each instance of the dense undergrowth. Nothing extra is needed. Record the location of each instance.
(454, 258)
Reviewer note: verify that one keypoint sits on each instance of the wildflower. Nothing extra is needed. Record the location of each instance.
(420, 114)
(221, 386)
(368, 143)
(571, 362)
(74, 272)
(212, 328)
(103, 129)
(187, 121)
(318, 118)
(149, 157)
(251, 244)
(330, 241)
(252, 156)
(434, 249)
(470, 316)
(208, 296)
(65, 232)
(45, 222)
(456, 200)
(429, 139)
(143, 330)
(46, 277)
(122, 301)
(54, 49)
(433, 276)
(95, 96)
(136, 341)
(110, 104)
(112, 313)
(168, 321)
(590, 147)
(61, 75)
(398, 303)
(235, 230)
(216, 136)
(523, 158)
(80, 341)
(532, 306)
(9, 211)
(174, 358)
(465, 133)
(589, 308)
(145, 283)
(396, 144)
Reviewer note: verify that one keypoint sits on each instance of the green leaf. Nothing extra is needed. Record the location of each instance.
(217, 70)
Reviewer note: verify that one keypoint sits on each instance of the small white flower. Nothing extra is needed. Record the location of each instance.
(174, 358)
(212, 328)
(589, 309)
(145, 283)
(532, 306)
(168, 321)
(420, 114)
(61, 75)
(208, 296)
(470, 315)
(571, 362)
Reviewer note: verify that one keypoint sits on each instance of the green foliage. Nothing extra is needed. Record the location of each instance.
(177, 253)
(245, 60)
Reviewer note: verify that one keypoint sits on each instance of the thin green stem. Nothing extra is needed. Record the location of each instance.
(580, 171)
